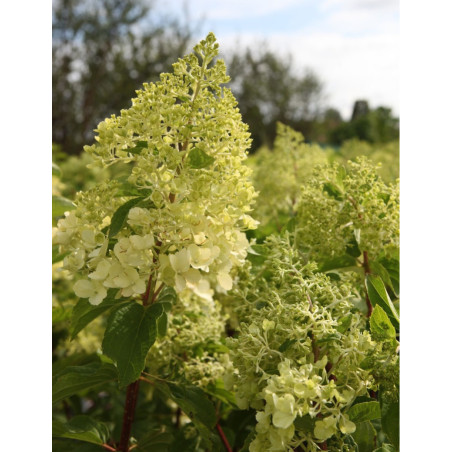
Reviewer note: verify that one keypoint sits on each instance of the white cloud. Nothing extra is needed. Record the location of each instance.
(361, 4)
(237, 9)
(351, 67)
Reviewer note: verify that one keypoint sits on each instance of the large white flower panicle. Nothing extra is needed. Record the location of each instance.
(179, 218)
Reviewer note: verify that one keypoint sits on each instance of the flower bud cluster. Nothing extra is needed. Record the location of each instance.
(298, 353)
(191, 349)
(342, 206)
(278, 173)
(386, 154)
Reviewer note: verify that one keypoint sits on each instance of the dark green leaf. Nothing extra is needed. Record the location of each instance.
(56, 256)
(128, 189)
(286, 344)
(290, 225)
(329, 338)
(140, 145)
(393, 270)
(248, 440)
(198, 159)
(379, 270)
(344, 323)
(84, 312)
(80, 378)
(167, 295)
(162, 325)
(380, 325)
(390, 421)
(305, 423)
(193, 402)
(130, 333)
(338, 263)
(61, 205)
(121, 214)
(82, 428)
(378, 296)
(352, 248)
(364, 436)
(218, 391)
(384, 196)
(333, 190)
(367, 411)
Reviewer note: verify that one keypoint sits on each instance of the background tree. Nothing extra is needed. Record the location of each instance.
(102, 52)
(269, 90)
(373, 125)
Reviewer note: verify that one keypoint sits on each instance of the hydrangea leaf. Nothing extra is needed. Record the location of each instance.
(380, 325)
(61, 205)
(390, 421)
(198, 159)
(364, 436)
(367, 411)
(83, 428)
(130, 333)
(74, 379)
(378, 296)
(84, 312)
(120, 215)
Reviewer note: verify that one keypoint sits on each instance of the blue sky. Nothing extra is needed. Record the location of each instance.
(353, 45)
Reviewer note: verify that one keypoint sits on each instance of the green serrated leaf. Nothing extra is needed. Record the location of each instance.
(218, 391)
(390, 421)
(56, 256)
(167, 295)
(344, 323)
(305, 423)
(338, 263)
(380, 325)
(286, 344)
(193, 402)
(329, 338)
(120, 215)
(82, 428)
(364, 436)
(130, 333)
(139, 146)
(352, 248)
(378, 296)
(84, 312)
(198, 159)
(367, 411)
(128, 189)
(162, 325)
(333, 190)
(379, 270)
(61, 205)
(74, 379)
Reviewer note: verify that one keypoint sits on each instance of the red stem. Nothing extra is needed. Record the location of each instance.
(223, 438)
(129, 411)
(106, 446)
